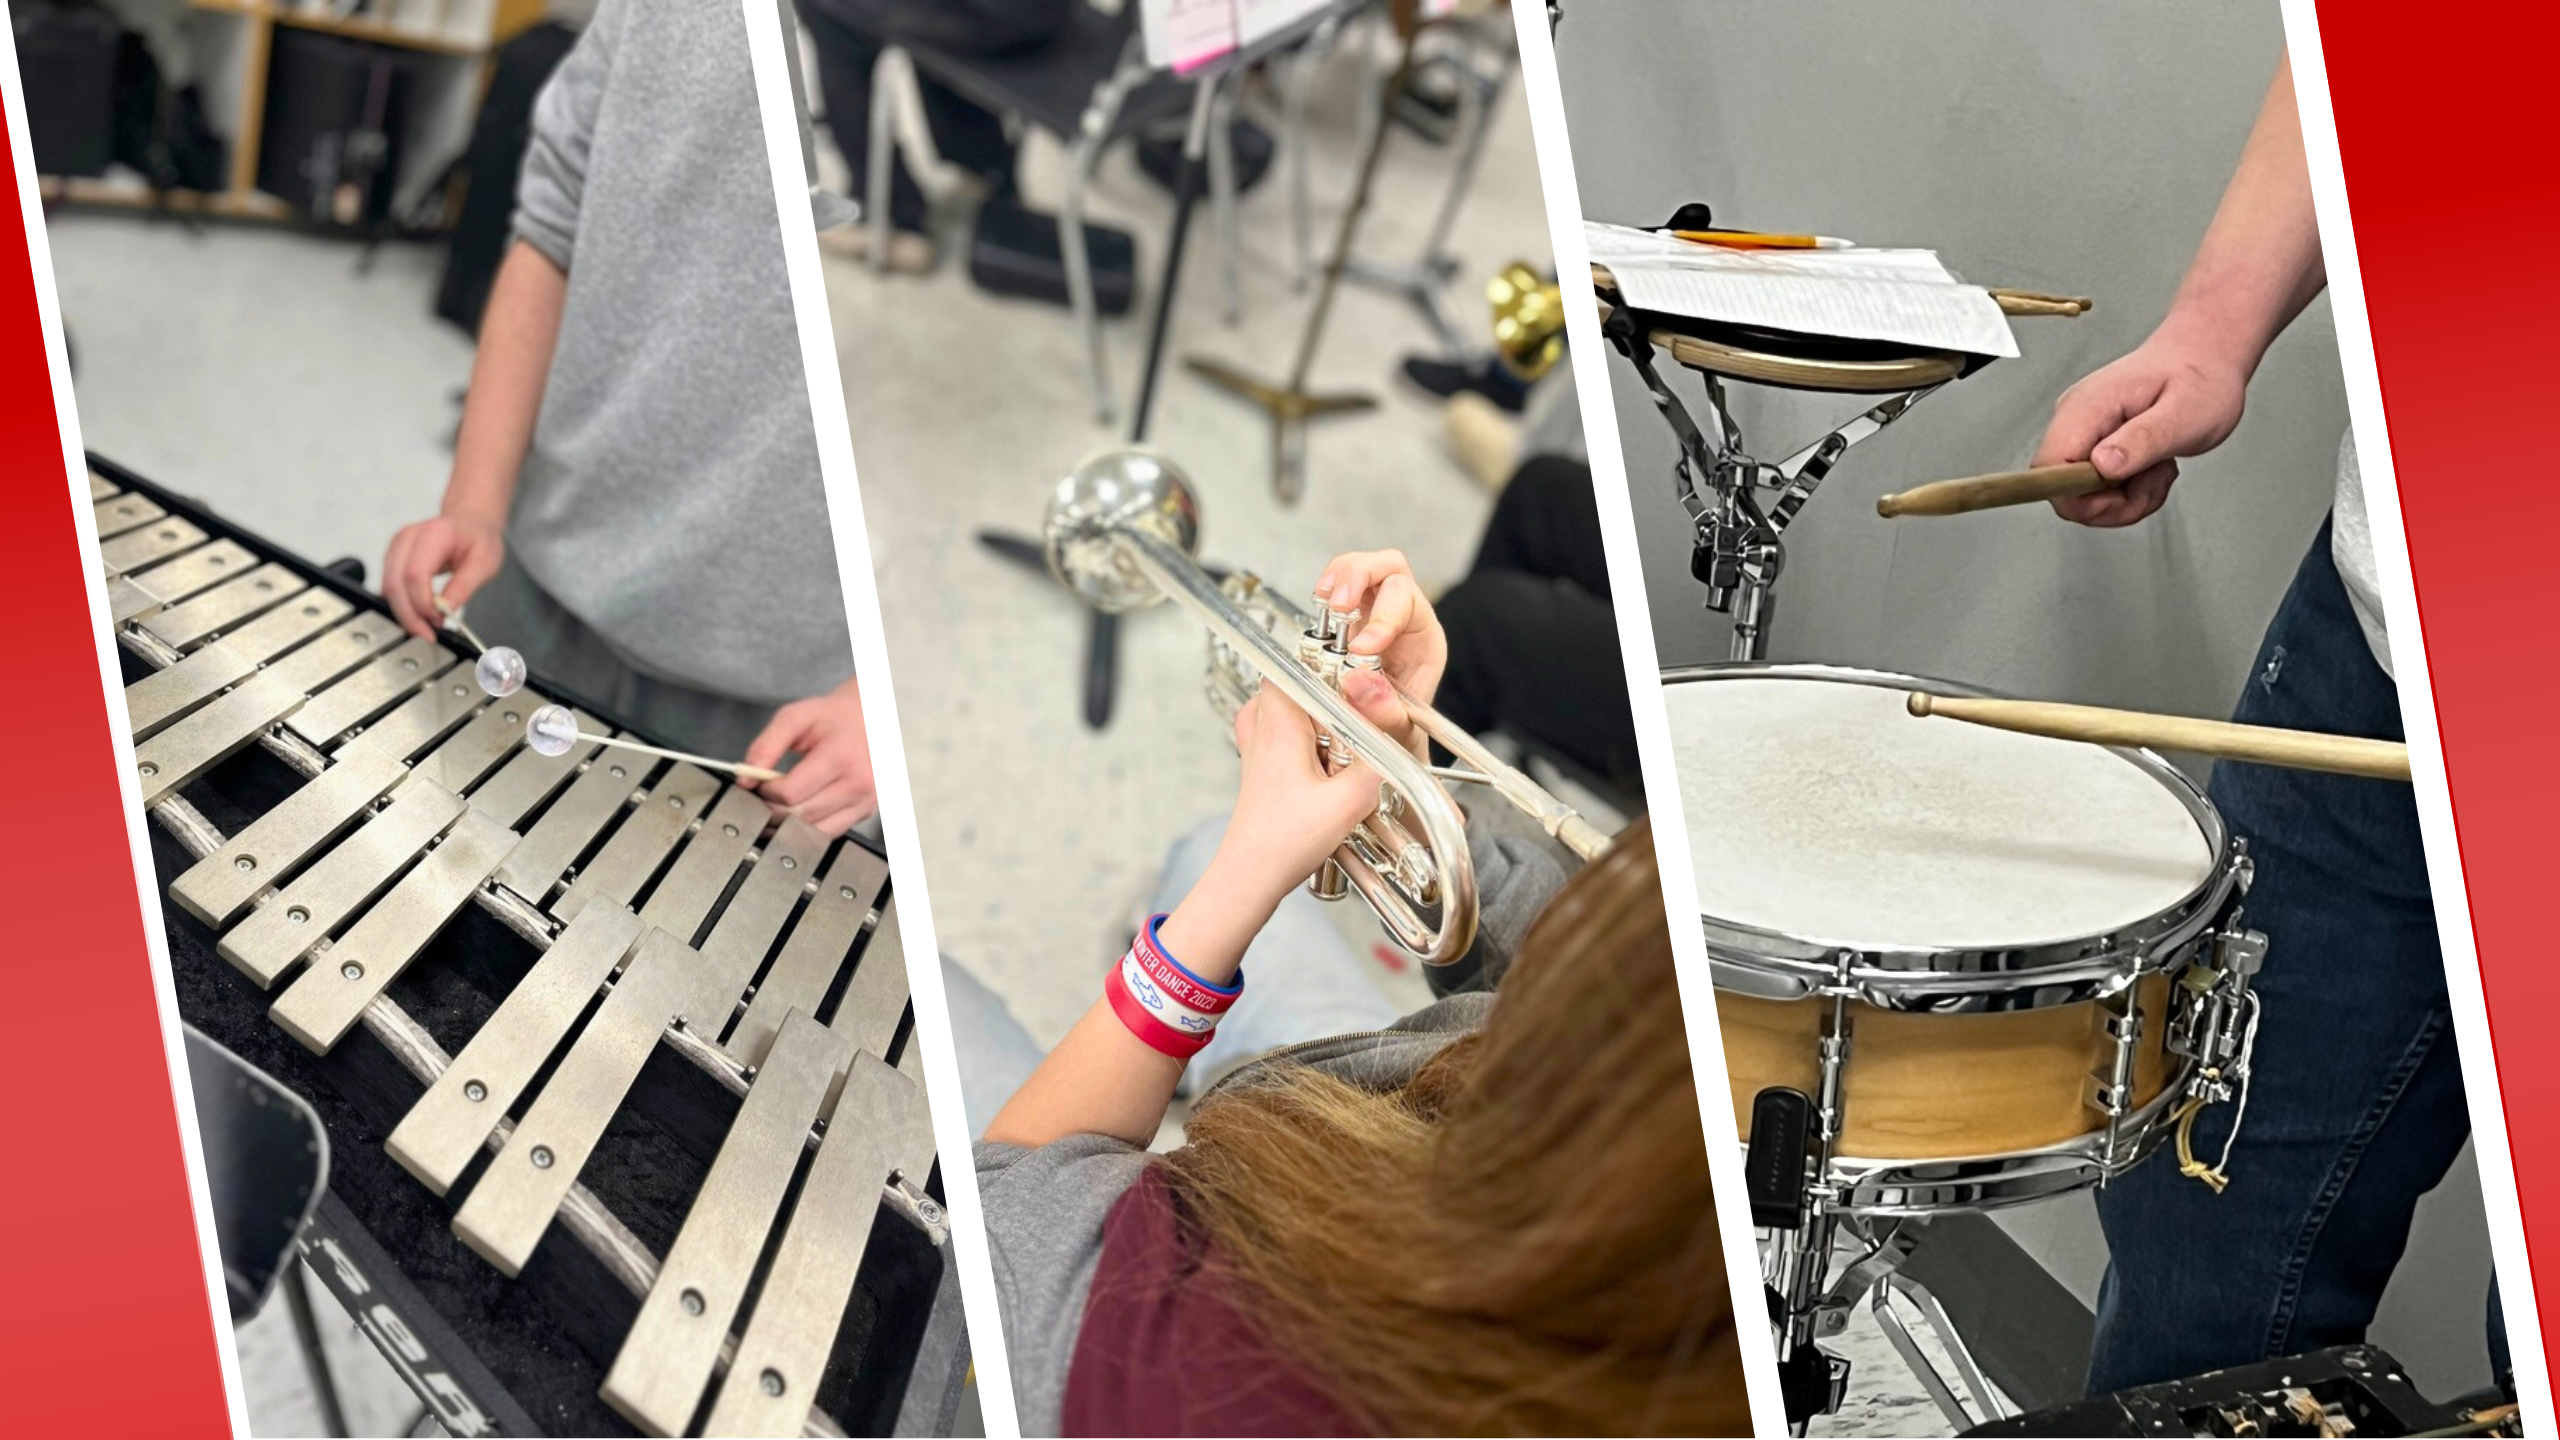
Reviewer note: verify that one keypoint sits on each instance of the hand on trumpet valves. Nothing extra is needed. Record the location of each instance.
(830, 786)
(1291, 810)
(1397, 625)
(2134, 418)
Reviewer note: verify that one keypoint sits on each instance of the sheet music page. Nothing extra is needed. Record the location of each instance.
(1258, 18)
(1901, 295)
(1187, 34)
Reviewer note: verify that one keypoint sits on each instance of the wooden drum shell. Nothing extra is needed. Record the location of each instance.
(1940, 1087)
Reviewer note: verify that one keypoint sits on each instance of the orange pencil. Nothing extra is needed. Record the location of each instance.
(1755, 240)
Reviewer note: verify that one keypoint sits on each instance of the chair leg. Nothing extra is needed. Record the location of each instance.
(1222, 199)
(883, 158)
(1071, 248)
(1302, 66)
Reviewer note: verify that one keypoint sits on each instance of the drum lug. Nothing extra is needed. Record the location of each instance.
(2111, 1088)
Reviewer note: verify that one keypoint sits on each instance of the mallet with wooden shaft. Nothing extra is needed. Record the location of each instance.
(1292, 405)
(2222, 739)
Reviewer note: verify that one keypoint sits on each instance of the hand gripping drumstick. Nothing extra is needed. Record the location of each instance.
(1983, 492)
(2265, 745)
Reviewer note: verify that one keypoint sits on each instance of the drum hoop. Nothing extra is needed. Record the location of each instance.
(2010, 1177)
(1778, 965)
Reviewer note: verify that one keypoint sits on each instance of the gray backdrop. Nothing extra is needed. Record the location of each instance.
(2077, 149)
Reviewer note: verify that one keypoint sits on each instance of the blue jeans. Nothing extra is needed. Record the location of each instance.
(1303, 983)
(2356, 1108)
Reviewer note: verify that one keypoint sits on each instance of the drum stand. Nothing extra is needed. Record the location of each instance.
(1739, 548)
(1799, 1211)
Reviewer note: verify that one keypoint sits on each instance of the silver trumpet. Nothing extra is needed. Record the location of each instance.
(1121, 532)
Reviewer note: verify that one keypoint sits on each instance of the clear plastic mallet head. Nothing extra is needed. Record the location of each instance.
(551, 731)
(500, 671)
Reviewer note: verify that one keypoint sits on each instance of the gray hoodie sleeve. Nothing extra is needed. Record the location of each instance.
(1044, 1210)
(564, 130)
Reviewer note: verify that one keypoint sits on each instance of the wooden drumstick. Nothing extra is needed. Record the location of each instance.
(2222, 739)
(1985, 492)
(2028, 302)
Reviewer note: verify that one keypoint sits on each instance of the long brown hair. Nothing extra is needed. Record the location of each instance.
(1520, 1240)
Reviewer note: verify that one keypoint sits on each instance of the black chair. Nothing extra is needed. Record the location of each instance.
(1089, 87)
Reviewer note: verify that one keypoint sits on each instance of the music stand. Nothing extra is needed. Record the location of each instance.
(1102, 640)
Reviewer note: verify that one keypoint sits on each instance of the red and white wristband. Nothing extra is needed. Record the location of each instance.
(1163, 1003)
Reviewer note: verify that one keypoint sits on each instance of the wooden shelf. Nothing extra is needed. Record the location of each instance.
(249, 46)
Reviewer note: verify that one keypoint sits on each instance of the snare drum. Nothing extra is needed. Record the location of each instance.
(2022, 942)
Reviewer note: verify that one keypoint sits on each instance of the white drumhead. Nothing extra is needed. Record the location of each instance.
(1824, 810)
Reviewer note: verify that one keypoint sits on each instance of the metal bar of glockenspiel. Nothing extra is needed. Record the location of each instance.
(587, 1218)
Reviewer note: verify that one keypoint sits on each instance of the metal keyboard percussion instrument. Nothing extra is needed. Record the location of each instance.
(618, 1075)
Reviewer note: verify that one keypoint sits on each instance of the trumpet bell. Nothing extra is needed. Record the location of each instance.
(1111, 493)
(1528, 321)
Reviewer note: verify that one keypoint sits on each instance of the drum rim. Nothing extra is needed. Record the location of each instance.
(1777, 965)
(1741, 352)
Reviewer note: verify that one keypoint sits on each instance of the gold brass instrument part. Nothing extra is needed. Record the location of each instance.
(1121, 532)
(1528, 321)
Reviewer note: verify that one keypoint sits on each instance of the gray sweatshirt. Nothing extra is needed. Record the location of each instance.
(672, 499)
(1044, 1208)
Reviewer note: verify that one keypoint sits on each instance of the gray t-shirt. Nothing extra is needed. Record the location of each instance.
(1045, 1208)
(2351, 547)
(672, 498)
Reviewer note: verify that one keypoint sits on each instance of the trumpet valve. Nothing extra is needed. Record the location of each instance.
(1330, 882)
(1332, 628)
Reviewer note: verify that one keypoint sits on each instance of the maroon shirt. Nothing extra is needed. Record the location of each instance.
(1168, 1346)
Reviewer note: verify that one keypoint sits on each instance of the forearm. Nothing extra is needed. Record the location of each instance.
(518, 331)
(2260, 261)
(1104, 1080)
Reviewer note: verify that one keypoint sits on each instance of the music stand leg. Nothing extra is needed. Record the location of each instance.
(1291, 405)
(1222, 195)
(1420, 282)
(1186, 195)
(882, 145)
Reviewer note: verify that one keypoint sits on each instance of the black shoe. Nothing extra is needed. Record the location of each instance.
(1160, 156)
(1487, 377)
(1429, 103)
